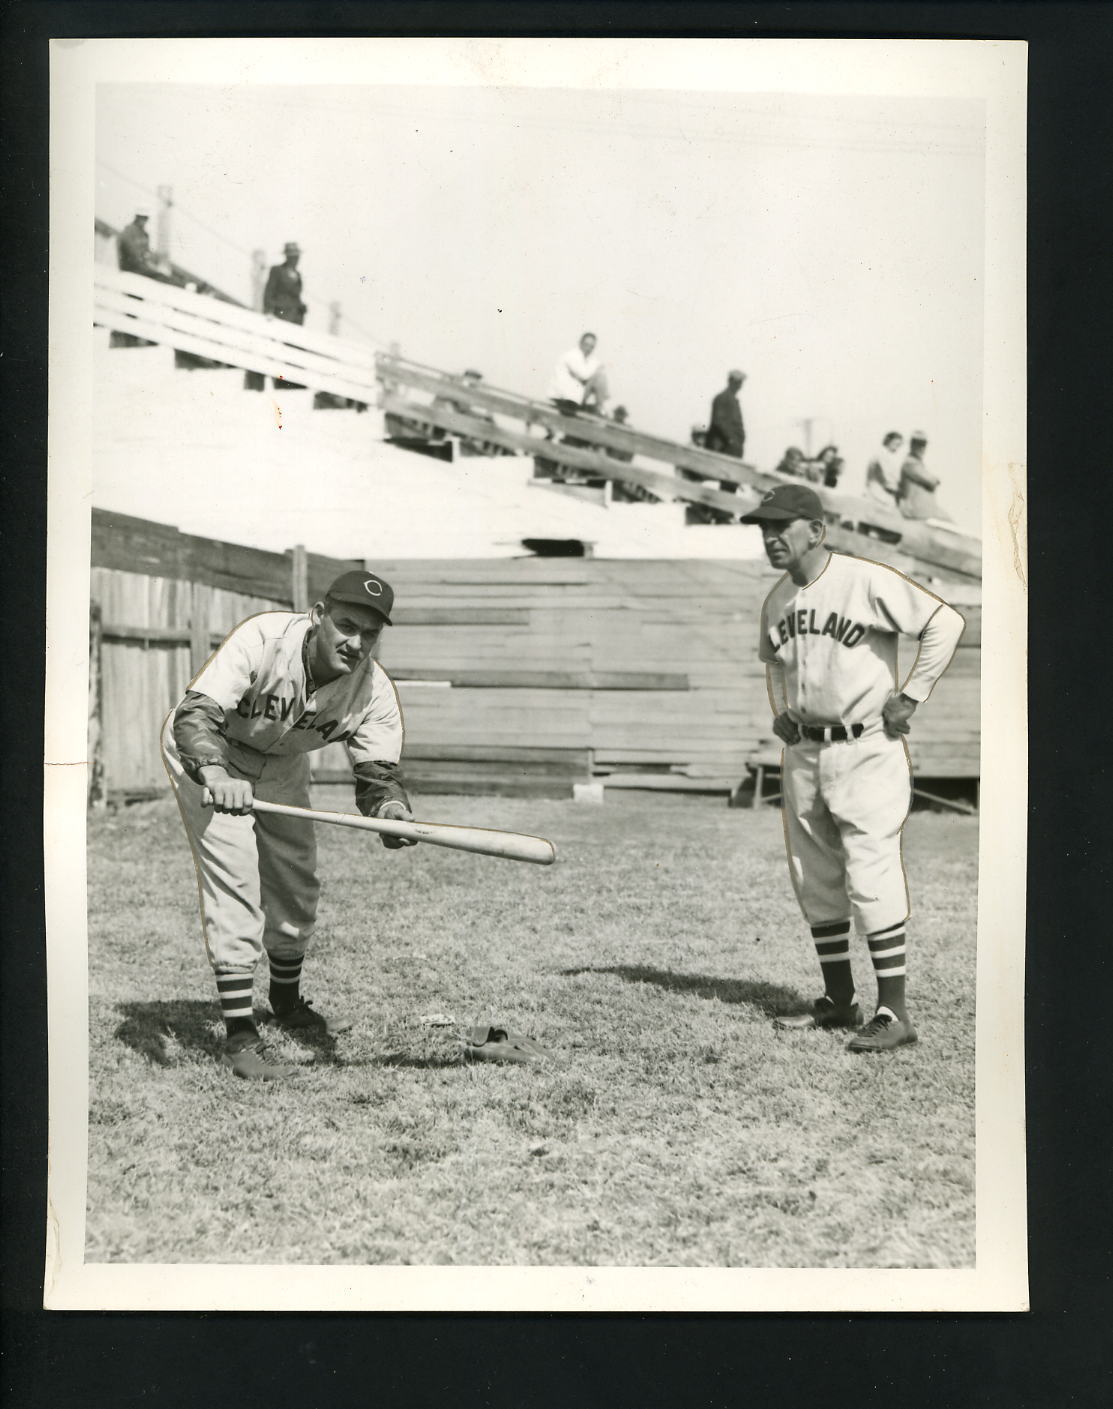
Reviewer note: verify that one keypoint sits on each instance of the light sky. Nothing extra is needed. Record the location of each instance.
(830, 247)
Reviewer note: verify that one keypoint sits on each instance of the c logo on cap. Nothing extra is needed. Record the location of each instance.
(769, 493)
(372, 588)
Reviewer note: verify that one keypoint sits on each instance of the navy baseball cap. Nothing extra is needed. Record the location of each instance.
(784, 502)
(365, 590)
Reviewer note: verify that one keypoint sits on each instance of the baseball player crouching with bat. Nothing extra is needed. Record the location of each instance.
(282, 685)
(829, 631)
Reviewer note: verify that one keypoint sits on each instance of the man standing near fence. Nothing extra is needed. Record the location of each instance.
(282, 685)
(828, 638)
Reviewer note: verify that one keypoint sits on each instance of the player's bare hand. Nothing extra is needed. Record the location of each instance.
(786, 728)
(225, 794)
(896, 713)
(396, 812)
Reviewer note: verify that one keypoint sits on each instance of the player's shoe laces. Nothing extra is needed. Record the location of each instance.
(825, 1013)
(882, 1033)
(245, 1056)
(302, 1015)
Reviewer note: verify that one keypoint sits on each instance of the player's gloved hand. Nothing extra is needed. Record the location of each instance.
(786, 728)
(896, 712)
(225, 794)
(396, 812)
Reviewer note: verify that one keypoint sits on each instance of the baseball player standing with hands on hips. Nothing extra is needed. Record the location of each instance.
(282, 685)
(829, 631)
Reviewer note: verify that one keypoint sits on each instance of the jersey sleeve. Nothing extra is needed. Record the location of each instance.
(200, 733)
(378, 735)
(229, 672)
(765, 651)
(899, 604)
(938, 642)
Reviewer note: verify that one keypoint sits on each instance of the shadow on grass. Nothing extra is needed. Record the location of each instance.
(402, 1059)
(164, 1031)
(769, 998)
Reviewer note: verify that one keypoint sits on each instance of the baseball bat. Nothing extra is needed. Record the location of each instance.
(513, 845)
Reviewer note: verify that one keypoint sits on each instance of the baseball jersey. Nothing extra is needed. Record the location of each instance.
(831, 646)
(257, 677)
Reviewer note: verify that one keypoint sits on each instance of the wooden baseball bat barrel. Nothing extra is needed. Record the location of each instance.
(513, 845)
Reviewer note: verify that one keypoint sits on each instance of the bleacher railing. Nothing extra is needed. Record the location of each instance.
(237, 337)
(581, 445)
(587, 445)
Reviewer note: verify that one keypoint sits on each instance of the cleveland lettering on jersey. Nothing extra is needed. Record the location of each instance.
(803, 623)
(269, 706)
(264, 707)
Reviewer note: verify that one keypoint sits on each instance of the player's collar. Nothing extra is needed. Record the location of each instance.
(310, 683)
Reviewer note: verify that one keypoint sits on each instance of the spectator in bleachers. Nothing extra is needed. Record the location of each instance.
(469, 445)
(830, 465)
(620, 416)
(579, 380)
(793, 463)
(133, 250)
(883, 471)
(916, 493)
(727, 433)
(281, 299)
(282, 295)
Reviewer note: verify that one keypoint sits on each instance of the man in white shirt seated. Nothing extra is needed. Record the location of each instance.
(579, 379)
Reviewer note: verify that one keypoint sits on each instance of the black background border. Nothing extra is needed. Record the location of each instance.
(1058, 1354)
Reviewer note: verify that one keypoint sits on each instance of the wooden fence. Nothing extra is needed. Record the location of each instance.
(517, 675)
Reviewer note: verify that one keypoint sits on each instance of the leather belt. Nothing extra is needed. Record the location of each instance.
(831, 733)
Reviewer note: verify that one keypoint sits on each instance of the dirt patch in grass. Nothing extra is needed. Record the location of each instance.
(671, 1126)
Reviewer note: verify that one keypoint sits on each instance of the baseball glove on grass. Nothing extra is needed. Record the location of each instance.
(495, 1044)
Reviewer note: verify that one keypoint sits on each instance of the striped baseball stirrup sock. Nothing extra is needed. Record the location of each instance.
(888, 952)
(832, 945)
(235, 992)
(285, 982)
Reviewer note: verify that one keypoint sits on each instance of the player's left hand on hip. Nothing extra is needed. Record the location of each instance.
(396, 812)
(896, 713)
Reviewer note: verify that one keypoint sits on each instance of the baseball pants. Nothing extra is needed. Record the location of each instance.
(256, 874)
(844, 807)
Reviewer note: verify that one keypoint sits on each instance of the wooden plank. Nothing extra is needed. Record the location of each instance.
(282, 361)
(549, 679)
(460, 616)
(495, 753)
(150, 635)
(199, 631)
(666, 783)
(299, 578)
(597, 466)
(163, 299)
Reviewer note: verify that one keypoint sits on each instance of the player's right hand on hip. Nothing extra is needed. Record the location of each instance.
(786, 728)
(228, 795)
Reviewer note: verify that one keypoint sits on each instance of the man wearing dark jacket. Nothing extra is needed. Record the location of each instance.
(281, 299)
(726, 433)
(282, 295)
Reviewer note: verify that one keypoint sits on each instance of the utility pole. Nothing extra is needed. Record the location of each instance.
(808, 422)
(162, 223)
(258, 278)
(334, 319)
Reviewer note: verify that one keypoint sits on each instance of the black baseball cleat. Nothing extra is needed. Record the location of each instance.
(882, 1033)
(245, 1057)
(824, 1013)
(302, 1016)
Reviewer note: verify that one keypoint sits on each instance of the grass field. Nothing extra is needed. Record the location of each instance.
(672, 1125)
